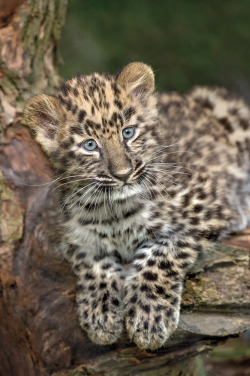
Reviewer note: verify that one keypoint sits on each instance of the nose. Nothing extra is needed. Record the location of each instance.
(123, 174)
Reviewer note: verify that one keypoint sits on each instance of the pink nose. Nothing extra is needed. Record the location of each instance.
(123, 174)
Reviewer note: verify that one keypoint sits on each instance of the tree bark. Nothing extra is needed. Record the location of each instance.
(39, 332)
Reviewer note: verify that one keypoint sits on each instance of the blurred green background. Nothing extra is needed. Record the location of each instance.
(187, 42)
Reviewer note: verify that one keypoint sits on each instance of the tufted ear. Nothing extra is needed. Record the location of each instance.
(41, 114)
(138, 78)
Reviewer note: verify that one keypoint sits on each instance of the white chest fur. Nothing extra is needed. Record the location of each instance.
(120, 230)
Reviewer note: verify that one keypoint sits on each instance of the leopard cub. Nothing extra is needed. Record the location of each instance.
(147, 182)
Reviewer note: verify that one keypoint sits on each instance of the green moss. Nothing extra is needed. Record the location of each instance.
(85, 372)
(11, 220)
(192, 291)
(233, 350)
(41, 32)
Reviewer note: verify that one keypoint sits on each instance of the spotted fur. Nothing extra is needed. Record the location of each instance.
(138, 212)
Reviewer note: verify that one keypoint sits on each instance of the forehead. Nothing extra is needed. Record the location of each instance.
(95, 103)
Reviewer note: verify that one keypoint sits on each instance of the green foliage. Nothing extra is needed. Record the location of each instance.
(187, 42)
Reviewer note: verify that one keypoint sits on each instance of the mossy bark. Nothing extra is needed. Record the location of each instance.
(29, 35)
(39, 331)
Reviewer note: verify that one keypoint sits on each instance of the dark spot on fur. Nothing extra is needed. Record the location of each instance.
(114, 286)
(131, 312)
(105, 297)
(104, 308)
(80, 255)
(76, 129)
(140, 119)
(89, 276)
(133, 299)
(145, 308)
(106, 266)
(158, 252)
(244, 123)
(198, 208)
(182, 255)
(67, 143)
(103, 285)
(138, 267)
(65, 89)
(160, 290)
(151, 262)
(153, 329)
(140, 256)
(170, 312)
(204, 102)
(118, 104)
(194, 221)
(201, 194)
(157, 319)
(174, 301)
(150, 276)
(115, 302)
(185, 200)
(165, 265)
(226, 124)
(144, 288)
(128, 112)
(134, 211)
(81, 115)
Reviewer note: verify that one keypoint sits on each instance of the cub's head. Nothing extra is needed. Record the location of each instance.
(99, 128)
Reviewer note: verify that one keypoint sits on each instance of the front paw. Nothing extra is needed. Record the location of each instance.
(101, 317)
(150, 326)
(152, 311)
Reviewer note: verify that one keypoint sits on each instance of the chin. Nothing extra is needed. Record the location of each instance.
(127, 191)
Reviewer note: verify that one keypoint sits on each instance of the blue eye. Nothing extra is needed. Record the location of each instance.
(128, 132)
(90, 145)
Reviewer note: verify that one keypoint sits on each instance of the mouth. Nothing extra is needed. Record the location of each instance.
(122, 190)
(127, 190)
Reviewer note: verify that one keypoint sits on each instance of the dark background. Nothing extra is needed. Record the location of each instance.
(187, 42)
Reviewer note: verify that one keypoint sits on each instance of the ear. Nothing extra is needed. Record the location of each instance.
(41, 114)
(137, 78)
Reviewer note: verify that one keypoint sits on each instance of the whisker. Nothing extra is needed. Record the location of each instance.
(160, 184)
(168, 178)
(96, 186)
(173, 152)
(69, 182)
(77, 191)
(148, 186)
(169, 146)
(162, 171)
(98, 195)
(94, 197)
(110, 204)
(156, 187)
(81, 197)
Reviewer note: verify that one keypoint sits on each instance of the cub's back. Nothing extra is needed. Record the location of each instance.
(206, 127)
